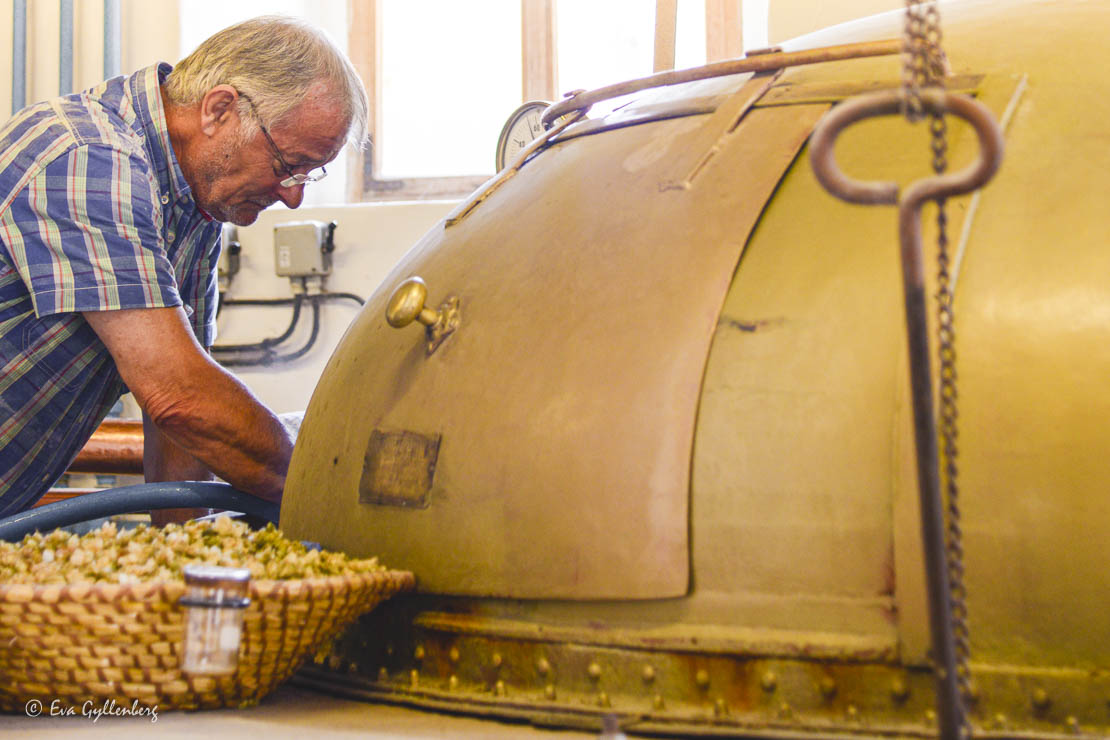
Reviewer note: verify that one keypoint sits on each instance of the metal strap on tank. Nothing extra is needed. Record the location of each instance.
(949, 702)
(583, 100)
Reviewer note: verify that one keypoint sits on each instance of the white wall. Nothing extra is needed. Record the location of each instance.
(370, 238)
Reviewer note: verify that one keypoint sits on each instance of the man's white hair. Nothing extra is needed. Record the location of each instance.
(274, 60)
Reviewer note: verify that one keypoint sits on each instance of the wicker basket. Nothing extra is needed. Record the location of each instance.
(103, 642)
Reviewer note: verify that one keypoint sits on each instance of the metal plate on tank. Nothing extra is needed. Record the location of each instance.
(398, 469)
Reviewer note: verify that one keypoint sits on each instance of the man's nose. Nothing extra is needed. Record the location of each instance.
(292, 196)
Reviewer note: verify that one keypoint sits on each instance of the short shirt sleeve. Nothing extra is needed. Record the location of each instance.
(85, 235)
(199, 286)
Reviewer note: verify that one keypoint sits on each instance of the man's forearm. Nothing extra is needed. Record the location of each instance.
(164, 460)
(194, 402)
(224, 426)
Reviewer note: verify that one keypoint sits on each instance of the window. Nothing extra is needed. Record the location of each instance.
(603, 43)
(449, 77)
(444, 75)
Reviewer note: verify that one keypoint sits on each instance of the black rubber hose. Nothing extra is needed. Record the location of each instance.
(251, 302)
(288, 301)
(269, 357)
(258, 301)
(311, 339)
(348, 296)
(129, 499)
(265, 344)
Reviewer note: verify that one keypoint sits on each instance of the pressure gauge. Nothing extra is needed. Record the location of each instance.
(522, 128)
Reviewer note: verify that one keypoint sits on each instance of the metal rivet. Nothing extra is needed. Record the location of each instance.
(418, 653)
(594, 671)
(1040, 699)
(720, 709)
(543, 666)
(785, 711)
(972, 692)
(701, 678)
(930, 716)
(414, 677)
(769, 681)
(389, 648)
(603, 700)
(499, 688)
(827, 687)
(1072, 723)
(657, 702)
(383, 674)
(549, 691)
(1000, 720)
(453, 682)
(496, 660)
(352, 667)
(648, 674)
(899, 691)
(453, 655)
(852, 712)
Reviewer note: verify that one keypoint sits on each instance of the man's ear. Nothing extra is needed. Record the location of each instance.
(218, 109)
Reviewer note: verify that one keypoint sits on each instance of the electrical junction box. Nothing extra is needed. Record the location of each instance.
(303, 248)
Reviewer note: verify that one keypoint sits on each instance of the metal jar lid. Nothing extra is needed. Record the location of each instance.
(213, 586)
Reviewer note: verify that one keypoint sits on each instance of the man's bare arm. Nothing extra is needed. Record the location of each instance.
(194, 402)
(164, 460)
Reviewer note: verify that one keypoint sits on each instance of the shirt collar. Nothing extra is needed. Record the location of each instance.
(146, 94)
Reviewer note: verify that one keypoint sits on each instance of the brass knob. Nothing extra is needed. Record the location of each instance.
(407, 305)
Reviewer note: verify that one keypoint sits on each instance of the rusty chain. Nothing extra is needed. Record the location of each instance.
(924, 65)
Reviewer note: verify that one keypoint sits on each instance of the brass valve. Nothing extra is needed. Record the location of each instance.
(407, 305)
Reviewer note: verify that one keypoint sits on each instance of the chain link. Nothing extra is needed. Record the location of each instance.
(924, 65)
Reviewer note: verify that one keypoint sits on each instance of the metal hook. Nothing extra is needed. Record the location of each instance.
(889, 103)
(974, 176)
(950, 709)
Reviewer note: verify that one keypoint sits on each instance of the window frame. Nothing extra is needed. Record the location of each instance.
(538, 65)
(539, 75)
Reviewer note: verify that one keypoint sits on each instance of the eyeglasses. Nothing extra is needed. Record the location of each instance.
(294, 178)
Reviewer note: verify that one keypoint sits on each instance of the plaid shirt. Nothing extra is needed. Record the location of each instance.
(95, 215)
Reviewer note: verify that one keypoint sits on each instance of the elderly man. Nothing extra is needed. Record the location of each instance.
(110, 209)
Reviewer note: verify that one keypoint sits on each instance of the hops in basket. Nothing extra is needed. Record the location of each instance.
(110, 616)
(114, 555)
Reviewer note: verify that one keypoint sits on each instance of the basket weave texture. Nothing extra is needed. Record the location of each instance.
(102, 641)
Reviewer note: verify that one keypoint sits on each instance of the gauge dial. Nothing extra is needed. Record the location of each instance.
(522, 128)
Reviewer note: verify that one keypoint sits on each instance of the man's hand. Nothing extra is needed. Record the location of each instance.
(199, 406)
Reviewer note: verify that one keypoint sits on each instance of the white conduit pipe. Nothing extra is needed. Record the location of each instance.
(112, 56)
(19, 55)
(65, 47)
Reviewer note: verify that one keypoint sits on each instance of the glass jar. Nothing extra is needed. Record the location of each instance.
(214, 601)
